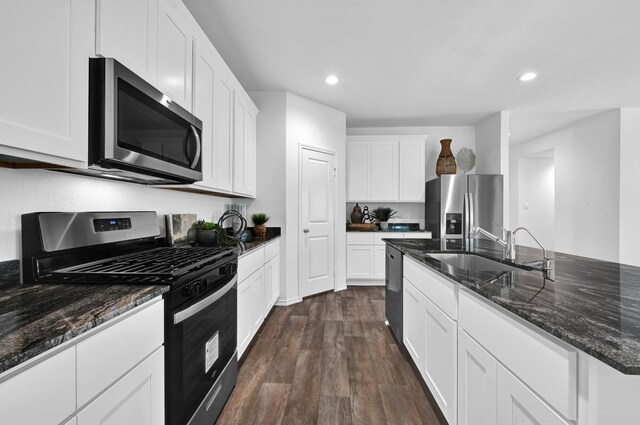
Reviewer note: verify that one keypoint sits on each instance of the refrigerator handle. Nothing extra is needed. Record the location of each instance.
(468, 215)
(472, 219)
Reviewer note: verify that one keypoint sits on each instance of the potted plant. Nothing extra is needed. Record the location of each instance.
(382, 215)
(259, 219)
(206, 233)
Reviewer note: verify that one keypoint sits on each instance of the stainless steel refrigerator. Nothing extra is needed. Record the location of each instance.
(454, 203)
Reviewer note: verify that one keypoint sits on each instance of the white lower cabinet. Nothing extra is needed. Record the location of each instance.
(476, 383)
(360, 260)
(258, 289)
(430, 336)
(43, 394)
(113, 375)
(413, 320)
(244, 316)
(366, 255)
(258, 308)
(136, 399)
(517, 405)
(271, 282)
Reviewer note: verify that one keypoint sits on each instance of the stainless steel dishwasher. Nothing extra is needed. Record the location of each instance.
(393, 291)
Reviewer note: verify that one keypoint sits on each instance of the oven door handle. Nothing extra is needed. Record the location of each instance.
(201, 305)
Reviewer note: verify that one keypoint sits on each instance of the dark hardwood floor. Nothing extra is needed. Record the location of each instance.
(328, 360)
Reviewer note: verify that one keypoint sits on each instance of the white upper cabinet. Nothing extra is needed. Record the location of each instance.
(128, 31)
(358, 171)
(411, 173)
(213, 104)
(244, 156)
(386, 168)
(384, 171)
(176, 30)
(44, 80)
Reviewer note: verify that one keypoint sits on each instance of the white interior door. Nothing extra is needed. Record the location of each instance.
(317, 217)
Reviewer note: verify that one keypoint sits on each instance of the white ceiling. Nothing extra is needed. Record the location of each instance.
(436, 62)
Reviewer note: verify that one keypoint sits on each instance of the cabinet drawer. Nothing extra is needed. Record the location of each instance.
(386, 235)
(271, 250)
(441, 291)
(249, 263)
(547, 367)
(360, 238)
(103, 358)
(43, 394)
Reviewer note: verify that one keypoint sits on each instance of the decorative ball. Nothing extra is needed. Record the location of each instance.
(466, 159)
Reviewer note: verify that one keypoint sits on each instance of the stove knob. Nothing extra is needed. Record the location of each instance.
(228, 269)
(192, 289)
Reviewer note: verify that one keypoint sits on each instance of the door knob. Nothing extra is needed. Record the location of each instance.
(306, 230)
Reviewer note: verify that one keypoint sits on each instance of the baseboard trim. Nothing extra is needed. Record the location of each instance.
(340, 288)
(365, 282)
(284, 303)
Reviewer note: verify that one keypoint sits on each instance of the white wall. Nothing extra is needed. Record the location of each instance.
(629, 186)
(462, 136)
(587, 185)
(492, 153)
(312, 124)
(536, 200)
(285, 122)
(24, 191)
(270, 159)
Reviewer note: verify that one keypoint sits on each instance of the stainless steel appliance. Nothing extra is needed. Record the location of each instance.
(136, 133)
(455, 203)
(200, 308)
(393, 292)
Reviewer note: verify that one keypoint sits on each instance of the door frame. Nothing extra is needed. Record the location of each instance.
(301, 148)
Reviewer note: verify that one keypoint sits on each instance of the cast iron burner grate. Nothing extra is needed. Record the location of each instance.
(153, 266)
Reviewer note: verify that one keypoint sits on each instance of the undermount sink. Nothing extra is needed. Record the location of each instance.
(472, 262)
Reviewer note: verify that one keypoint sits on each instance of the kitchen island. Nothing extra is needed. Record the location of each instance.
(560, 348)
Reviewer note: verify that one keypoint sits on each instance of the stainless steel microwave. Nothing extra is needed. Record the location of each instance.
(136, 133)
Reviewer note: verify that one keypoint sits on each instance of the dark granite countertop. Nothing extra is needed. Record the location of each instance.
(249, 241)
(36, 318)
(591, 304)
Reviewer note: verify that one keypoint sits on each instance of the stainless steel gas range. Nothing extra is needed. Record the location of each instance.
(200, 308)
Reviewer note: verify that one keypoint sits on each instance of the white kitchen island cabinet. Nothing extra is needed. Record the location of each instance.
(430, 334)
(45, 72)
(477, 376)
(386, 168)
(112, 374)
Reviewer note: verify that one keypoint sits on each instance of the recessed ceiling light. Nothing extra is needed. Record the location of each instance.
(528, 76)
(331, 80)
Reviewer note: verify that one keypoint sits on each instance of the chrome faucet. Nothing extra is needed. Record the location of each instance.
(508, 242)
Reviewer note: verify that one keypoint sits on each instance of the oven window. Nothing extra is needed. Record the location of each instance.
(149, 128)
(201, 346)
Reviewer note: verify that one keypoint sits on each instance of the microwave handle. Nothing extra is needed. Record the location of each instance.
(198, 148)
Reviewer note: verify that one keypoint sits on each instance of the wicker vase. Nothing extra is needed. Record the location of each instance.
(259, 229)
(446, 162)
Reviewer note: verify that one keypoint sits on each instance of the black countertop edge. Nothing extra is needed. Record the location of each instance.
(37, 318)
(590, 304)
(9, 273)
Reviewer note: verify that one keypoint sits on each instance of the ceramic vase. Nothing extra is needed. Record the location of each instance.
(207, 237)
(446, 163)
(356, 214)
